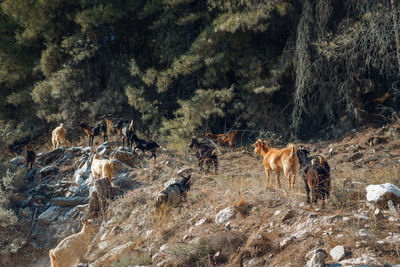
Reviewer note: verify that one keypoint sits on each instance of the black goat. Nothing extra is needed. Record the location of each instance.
(127, 131)
(30, 157)
(305, 163)
(114, 125)
(145, 145)
(99, 129)
(204, 153)
(174, 192)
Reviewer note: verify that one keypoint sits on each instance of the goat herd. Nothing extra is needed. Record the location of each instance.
(315, 172)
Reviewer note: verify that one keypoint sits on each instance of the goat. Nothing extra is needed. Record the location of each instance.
(102, 167)
(224, 139)
(173, 193)
(58, 136)
(99, 129)
(73, 248)
(305, 163)
(30, 156)
(204, 153)
(278, 160)
(318, 180)
(114, 125)
(145, 145)
(127, 131)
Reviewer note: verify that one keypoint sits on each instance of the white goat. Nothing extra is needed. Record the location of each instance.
(102, 167)
(73, 248)
(58, 136)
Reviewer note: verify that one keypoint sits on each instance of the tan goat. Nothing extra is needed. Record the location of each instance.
(102, 167)
(278, 160)
(73, 248)
(58, 136)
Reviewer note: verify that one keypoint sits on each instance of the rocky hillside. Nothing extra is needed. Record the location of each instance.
(228, 219)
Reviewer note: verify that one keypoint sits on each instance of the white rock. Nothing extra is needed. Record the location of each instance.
(317, 260)
(102, 245)
(382, 192)
(225, 215)
(286, 241)
(337, 253)
(391, 206)
(200, 222)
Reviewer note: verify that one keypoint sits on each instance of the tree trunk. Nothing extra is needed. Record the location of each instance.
(396, 31)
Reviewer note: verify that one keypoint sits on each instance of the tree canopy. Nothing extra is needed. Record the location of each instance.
(178, 67)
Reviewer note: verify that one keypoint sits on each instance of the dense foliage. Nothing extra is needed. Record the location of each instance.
(178, 67)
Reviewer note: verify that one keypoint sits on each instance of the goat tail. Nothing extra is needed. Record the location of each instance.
(292, 148)
(131, 126)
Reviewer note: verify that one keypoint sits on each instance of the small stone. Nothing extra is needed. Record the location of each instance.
(313, 215)
(225, 215)
(378, 214)
(228, 226)
(391, 206)
(337, 253)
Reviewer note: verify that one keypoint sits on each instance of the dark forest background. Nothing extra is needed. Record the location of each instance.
(181, 67)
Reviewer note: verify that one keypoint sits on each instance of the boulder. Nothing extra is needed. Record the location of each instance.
(318, 258)
(337, 253)
(51, 156)
(225, 215)
(226, 243)
(382, 193)
(17, 161)
(113, 255)
(104, 149)
(50, 215)
(48, 170)
(69, 201)
(128, 158)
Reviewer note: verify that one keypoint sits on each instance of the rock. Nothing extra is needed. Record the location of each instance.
(51, 156)
(102, 245)
(224, 216)
(50, 215)
(69, 201)
(318, 257)
(361, 217)
(288, 215)
(365, 259)
(313, 215)
(254, 262)
(363, 233)
(128, 158)
(17, 161)
(126, 181)
(113, 255)
(227, 243)
(82, 173)
(286, 241)
(185, 172)
(120, 167)
(391, 206)
(48, 170)
(104, 149)
(337, 253)
(378, 214)
(171, 181)
(382, 193)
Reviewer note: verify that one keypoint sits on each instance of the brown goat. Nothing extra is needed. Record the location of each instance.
(224, 139)
(278, 160)
(318, 180)
(73, 248)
